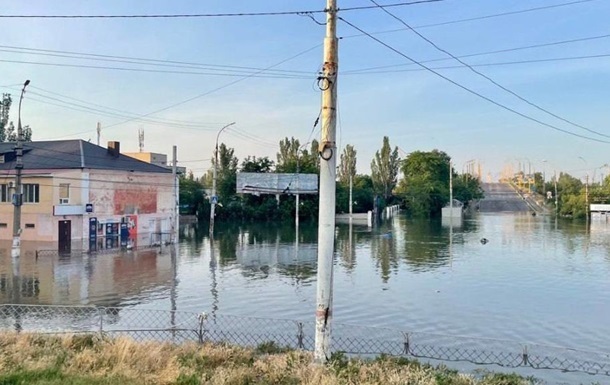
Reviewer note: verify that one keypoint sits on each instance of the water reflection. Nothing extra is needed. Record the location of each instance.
(104, 279)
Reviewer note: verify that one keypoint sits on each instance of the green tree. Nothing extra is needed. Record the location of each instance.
(425, 183)
(362, 195)
(4, 120)
(384, 169)
(8, 133)
(226, 173)
(191, 195)
(571, 196)
(254, 164)
(466, 188)
(347, 164)
(288, 154)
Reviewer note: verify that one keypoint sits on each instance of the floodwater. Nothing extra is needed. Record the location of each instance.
(536, 280)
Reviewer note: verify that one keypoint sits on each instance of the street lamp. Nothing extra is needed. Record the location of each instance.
(17, 197)
(214, 198)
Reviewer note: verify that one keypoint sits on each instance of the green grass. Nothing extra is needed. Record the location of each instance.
(55, 377)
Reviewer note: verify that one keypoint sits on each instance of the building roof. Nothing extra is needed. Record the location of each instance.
(71, 154)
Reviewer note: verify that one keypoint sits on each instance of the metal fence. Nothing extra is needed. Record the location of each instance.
(179, 326)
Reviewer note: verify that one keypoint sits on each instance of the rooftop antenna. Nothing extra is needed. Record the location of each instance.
(99, 131)
(141, 139)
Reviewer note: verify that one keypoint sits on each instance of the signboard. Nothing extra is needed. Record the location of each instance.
(276, 183)
(89, 207)
(214, 199)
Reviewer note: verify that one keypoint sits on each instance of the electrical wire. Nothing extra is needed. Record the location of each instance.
(493, 64)
(145, 70)
(138, 60)
(498, 104)
(202, 15)
(226, 85)
(363, 70)
(490, 16)
(488, 78)
(249, 136)
(89, 110)
(44, 148)
(159, 120)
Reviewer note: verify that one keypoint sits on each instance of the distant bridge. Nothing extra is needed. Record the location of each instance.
(501, 197)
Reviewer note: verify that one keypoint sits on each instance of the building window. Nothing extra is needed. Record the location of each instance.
(5, 193)
(31, 193)
(3, 225)
(64, 193)
(30, 225)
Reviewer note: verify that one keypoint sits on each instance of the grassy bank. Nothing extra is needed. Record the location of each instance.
(86, 359)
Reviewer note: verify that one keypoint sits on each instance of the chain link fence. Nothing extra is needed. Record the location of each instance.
(178, 326)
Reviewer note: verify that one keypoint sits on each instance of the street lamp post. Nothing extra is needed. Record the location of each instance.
(586, 189)
(214, 198)
(18, 195)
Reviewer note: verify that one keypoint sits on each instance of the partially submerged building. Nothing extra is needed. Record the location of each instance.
(75, 191)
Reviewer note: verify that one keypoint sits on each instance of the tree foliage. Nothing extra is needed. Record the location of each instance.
(384, 169)
(362, 195)
(254, 164)
(191, 195)
(8, 132)
(425, 183)
(294, 157)
(226, 173)
(347, 164)
(466, 188)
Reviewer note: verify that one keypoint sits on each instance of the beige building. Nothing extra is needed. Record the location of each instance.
(154, 158)
(81, 195)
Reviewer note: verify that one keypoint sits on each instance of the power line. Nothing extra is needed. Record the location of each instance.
(136, 60)
(363, 70)
(468, 89)
(202, 15)
(98, 112)
(490, 16)
(493, 64)
(129, 69)
(207, 92)
(160, 120)
(538, 107)
(163, 16)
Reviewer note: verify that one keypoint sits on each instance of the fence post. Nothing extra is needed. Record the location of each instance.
(201, 318)
(406, 343)
(525, 356)
(100, 312)
(300, 336)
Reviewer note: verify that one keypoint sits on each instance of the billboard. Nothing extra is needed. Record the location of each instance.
(276, 183)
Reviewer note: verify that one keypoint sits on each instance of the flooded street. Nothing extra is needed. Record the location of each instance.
(535, 281)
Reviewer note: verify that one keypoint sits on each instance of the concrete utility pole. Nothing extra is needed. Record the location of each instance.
(176, 221)
(297, 200)
(556, 203)
(587, 198)
(328, 163)
(451, 188)
(351, 201)
(18, 195)
(214, 198)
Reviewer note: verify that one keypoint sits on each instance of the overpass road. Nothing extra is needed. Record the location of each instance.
(500, 197)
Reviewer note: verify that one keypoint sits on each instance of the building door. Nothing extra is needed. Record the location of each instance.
(65, 236)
